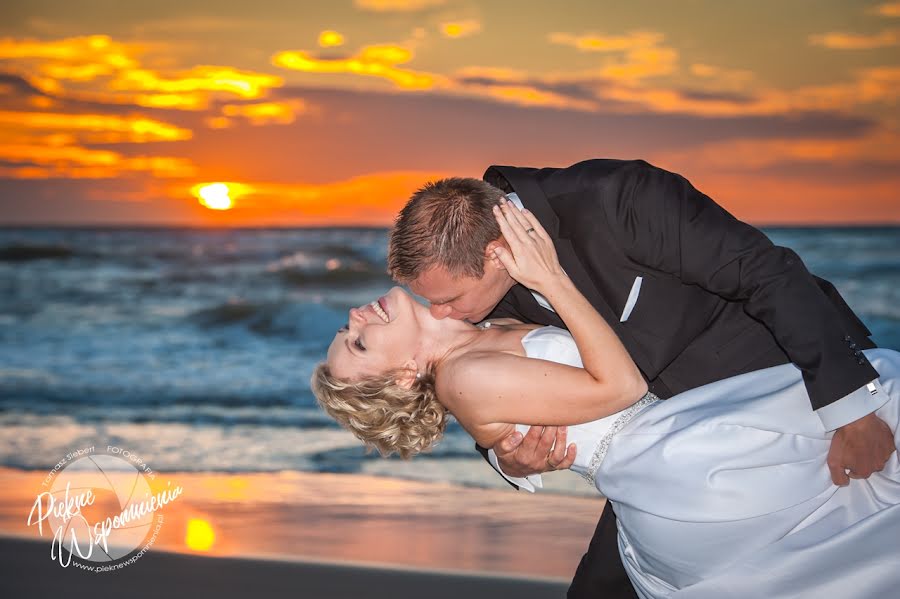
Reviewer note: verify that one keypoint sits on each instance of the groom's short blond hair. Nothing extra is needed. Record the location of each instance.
(446, 223)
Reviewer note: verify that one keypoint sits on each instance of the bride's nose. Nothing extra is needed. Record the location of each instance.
(356, 316)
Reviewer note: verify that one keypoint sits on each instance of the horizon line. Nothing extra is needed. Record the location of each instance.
(136, 225)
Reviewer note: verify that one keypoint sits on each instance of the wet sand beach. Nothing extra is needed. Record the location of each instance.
(321, 535)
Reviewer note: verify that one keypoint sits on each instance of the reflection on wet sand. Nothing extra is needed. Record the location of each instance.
(353, 518)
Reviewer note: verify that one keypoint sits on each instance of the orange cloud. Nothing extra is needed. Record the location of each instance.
(526, 95)
(396, 5)
(890, 9)
(266, 113)
(871, 86)
(854, 41)
(82, 163)
(97, 126)
(615, 43)
(728, 78)
(456, 29)
(725, 92)
(93, 49)
(643, 59)
(330, 39)
(99, 69)
(198, 79)
(373, 61)
(642, 63)
(643, 55)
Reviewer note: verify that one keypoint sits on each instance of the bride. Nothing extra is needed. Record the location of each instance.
(722, 491)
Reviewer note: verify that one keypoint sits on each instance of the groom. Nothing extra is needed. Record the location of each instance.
(694, 294)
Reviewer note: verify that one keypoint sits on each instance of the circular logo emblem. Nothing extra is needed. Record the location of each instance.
(100, 508)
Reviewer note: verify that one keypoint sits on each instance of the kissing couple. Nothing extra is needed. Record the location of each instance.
(727, 402)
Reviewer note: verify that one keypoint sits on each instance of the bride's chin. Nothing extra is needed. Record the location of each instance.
(423, 316)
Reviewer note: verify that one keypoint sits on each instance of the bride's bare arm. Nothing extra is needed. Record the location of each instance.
(497, 387)
(517, 388)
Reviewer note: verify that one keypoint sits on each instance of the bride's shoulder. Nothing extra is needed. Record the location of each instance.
(452, 368)
(459, 373)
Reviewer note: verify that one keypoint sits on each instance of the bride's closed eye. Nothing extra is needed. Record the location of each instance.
(357, 342)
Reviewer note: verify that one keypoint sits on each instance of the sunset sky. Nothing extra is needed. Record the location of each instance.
(314, 113)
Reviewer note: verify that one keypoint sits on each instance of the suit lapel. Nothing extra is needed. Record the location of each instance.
(573, 266)
(532, 310)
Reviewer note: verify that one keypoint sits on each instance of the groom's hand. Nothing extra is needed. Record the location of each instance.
(860, 448)
(542, 449)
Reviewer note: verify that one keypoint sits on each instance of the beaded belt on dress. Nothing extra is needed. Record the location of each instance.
(625, 416)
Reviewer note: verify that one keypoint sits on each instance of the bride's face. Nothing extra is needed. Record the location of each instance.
(378, 337)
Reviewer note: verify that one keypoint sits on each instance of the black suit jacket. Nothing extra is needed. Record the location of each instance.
(717, 297)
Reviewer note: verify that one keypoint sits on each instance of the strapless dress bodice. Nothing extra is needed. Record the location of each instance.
(591, 438)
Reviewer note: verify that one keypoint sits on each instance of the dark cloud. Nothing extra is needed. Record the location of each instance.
(571, 90)
(836, 171)
(351, 133)
(364, 132)
(704, 96)
(20, 86)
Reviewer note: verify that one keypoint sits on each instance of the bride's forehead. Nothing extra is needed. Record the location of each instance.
(339, 357)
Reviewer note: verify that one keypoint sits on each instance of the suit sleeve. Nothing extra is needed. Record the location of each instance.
(664, 222)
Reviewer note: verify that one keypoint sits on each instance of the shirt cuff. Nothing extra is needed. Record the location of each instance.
(528, 483)
(854, 406)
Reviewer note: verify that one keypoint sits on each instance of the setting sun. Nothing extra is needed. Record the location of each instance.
(215, 196)
(200, 535)
(220, 195)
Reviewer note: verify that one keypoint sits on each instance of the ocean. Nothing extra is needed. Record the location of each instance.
(193, 348)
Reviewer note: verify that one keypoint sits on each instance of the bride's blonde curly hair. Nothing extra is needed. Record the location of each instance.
(381, 413)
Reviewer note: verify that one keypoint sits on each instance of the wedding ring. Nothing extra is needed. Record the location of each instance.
(531, 230)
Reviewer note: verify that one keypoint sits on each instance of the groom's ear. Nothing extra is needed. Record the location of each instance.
(408, 374)
(490, 258)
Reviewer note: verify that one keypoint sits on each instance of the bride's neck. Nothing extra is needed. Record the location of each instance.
(453, 338)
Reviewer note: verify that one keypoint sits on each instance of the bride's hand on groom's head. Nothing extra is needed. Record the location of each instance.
(531, 259)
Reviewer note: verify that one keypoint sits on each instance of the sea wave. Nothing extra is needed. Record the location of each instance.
(27, 253)
(285, 319)
(196, 347)
(340, 276)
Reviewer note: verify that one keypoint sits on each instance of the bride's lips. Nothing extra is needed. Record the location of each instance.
(379, 309)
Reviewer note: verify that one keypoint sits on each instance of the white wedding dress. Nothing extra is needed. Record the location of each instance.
(723, 491)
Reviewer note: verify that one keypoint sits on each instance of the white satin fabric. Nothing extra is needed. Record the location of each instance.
(723, 491)
(556, 345)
